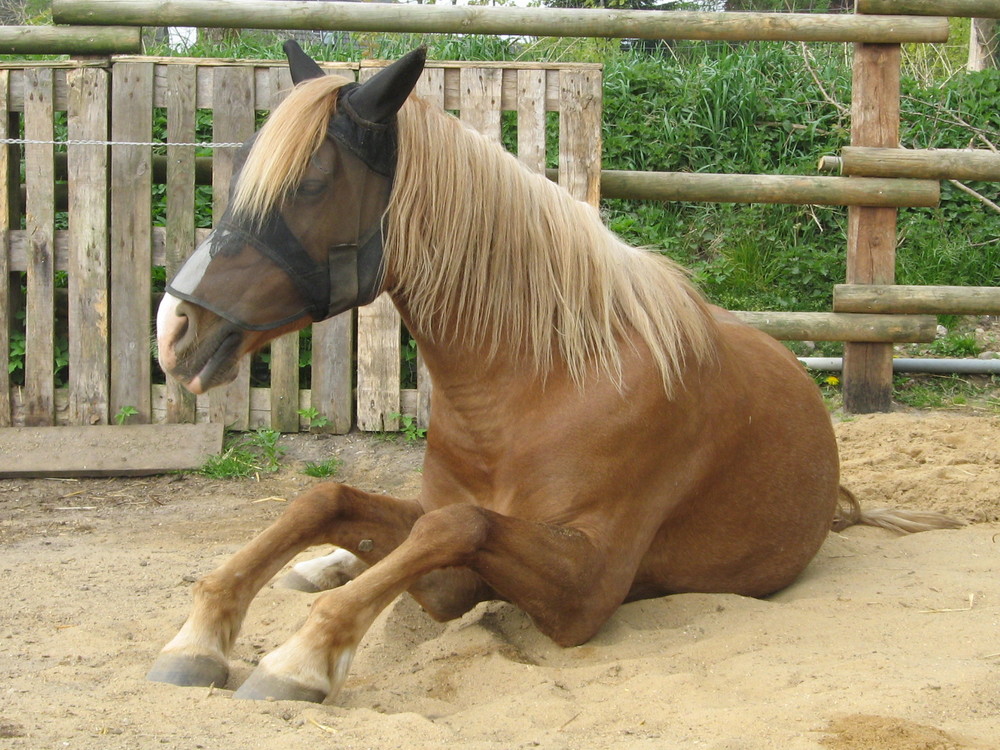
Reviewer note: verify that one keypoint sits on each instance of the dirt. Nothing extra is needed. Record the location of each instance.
(885, 642)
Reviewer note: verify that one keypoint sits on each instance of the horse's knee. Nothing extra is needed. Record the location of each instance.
(455, 533)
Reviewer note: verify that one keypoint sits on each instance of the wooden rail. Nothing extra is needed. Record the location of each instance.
(69, 40)
(341, 16)
(927, 300)
(835, 326)
(959, 8)
(925, 164)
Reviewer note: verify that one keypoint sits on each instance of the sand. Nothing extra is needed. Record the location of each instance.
(885, 642)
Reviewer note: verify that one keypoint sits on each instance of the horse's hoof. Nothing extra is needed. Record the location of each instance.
(261, 686)
(293, 580)
(188, 671)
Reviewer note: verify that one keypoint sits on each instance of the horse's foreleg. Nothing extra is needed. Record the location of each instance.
(557, 575)
(369, 525)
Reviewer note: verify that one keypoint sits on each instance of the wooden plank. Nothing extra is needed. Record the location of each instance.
(928, 300)
(87, 170)
(180, 224)
(379, 330)
(430, 87)
(531, 119)
(6, 311)
(109, 450)
(871, 232)
(815, 326)
(480, 105)
(232, 122)
(332, 394)
(378, 366)
(332, 362)
(131, 243)
(580, 134)
(39, 380)
(284, 390)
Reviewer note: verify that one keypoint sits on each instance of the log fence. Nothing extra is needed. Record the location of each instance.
(111, 241)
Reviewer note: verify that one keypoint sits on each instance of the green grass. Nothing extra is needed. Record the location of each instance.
(246, 455)
(322, 469)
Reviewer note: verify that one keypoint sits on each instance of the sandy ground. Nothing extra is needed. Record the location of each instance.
(885, 642)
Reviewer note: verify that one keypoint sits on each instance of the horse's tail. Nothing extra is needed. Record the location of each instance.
(849, 513)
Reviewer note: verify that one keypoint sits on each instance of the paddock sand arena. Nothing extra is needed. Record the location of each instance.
(885, 642)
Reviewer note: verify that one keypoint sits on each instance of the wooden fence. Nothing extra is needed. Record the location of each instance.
(868, 325)
(111, 234)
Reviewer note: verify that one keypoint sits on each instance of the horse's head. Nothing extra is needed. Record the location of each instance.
(312, 251)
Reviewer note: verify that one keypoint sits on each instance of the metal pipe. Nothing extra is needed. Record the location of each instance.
(902, 364)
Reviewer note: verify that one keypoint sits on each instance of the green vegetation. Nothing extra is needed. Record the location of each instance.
(322, 469)
(246, 454)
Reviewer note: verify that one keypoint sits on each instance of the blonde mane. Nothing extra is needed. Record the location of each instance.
(475, 238)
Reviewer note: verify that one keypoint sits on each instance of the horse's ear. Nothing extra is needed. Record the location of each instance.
(381, 96)
(300, 65)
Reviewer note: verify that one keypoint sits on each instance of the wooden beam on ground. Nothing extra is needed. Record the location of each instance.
(923, 164)
(850, 327)
(448, 19)
(107, 450)
(925, 300)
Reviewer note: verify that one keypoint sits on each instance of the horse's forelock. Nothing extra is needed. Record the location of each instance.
(292, 134)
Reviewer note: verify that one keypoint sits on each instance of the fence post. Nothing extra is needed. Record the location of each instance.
(871, 231)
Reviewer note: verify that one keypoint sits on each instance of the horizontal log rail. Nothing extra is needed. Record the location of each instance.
(924, 164)
(69, 40)
(559, 22)
(957, 8)
(927, 300)
(793, 189)
(818, 326)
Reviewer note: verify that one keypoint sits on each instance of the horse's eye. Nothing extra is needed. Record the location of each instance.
(310, 188)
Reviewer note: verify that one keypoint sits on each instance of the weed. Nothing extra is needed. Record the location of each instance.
(956, 345)
(947, 392)
(124, 413)
(246, 455)
(316, 420)
(322, 469)
(408, 426)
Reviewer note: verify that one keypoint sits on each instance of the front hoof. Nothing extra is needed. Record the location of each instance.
(261, 686)
(188, 671)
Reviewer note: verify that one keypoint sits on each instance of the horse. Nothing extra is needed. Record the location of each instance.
(599, 432)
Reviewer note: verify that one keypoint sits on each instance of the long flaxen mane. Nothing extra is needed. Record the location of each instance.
(510, 258)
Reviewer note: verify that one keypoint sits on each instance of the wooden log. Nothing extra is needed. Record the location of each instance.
(7, 185)
(126, 450)
(923, 164)
(179, 175)
(959, 8)
(447, 19)
(871, 231)
(849, 327)
(131, 240)
(747, 188)
(39, 378)
(89, 262)
(69, 40)
(927, 300)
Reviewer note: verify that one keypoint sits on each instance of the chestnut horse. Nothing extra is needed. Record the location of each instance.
(599, 433)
